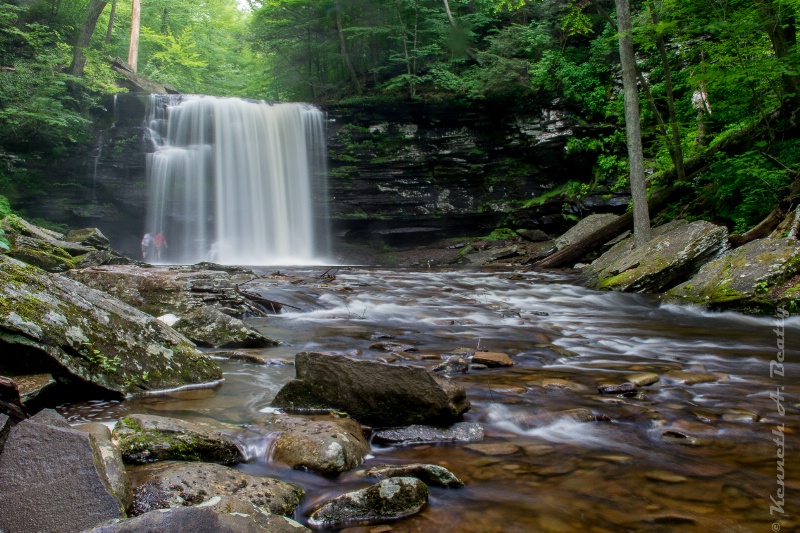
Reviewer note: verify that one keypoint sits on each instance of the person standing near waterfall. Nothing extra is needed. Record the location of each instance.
(160, 243)
(147, 245)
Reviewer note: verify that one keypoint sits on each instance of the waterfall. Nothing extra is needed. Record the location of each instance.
(237, 181)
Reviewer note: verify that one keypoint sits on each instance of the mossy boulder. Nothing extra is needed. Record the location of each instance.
(149, 438)
(430, 474)
(389, 499)
(41, 247)
(675, 252)
(209, 327)
(49, 323)
(756, 277)
(91, 237)
(181, 484)
(326, 445)
(374, 393)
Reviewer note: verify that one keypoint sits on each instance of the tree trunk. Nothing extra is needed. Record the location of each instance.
(633, 129)
(343, 48)
(453, 24)
(133, 49)
(111, 18)
(577, 250)
(782, 33)
(85, 37)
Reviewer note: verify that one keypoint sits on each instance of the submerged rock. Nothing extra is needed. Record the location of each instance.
(51, 323)
(492, 359)
(53, 478)
(148, 438)
(373, 393)
(757, 276)
(416, 434)
(388, 499)
(430, 474)
(326, 445)
(168, 485)
(675, 252)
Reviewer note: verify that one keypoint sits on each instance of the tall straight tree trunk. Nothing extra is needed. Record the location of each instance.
(467, 49)
(133, 49)
(111, 19)
(343, 47)
(85, 37)
(633, 128)
(783, 35)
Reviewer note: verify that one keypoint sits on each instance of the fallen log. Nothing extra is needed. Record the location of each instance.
(577, 250)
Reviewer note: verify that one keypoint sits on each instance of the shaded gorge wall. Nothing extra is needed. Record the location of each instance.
(400, 174)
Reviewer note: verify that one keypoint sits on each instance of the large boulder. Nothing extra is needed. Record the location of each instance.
(757, 276)
(326, 445)
(53, 478)
(210, 327)
(388, 499)
(169, 485)
(374, 393)
(584, 228)
(222, 514)
(51, 323)
(675, 252)
(148, 438)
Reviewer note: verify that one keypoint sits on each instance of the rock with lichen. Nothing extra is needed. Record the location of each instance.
(81, 335)
(389, 499)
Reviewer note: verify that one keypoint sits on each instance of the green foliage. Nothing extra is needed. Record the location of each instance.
(98, 360)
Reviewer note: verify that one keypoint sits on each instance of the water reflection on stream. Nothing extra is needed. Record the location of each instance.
(678, 458)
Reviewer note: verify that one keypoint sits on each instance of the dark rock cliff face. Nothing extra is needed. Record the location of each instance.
(399, 174)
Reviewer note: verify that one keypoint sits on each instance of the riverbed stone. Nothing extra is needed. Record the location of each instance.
(211, 328)
(179, 484)
(689, 378)
(373, 393)
(675, 252)
(327, 445)
(643, 379)
(389, 499)
(112, 458)
(584, 228)
(82, 335)
(148, 438)
(52, 478)
(418, 434)
(756, 277)
(492, 359)
(430, 474)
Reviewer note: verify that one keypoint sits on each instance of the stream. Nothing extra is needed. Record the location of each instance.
(674, 457)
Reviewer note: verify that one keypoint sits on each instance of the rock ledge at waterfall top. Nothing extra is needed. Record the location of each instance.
(373, 393)
(675, 252)
(52, 322)
(756, 277)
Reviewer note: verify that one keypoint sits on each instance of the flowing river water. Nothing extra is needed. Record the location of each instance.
(711, 456)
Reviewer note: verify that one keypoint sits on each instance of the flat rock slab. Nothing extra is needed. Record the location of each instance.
(417, 434)
(31, 385)
(749, 278)
(90, 337)
(643, 379)
(492, 359)
(52, 478)
(168, 485)
(224, 515)
(676, 251)
(388, 499)
(326, 445)
(430, 474)
(374, 393)
(584, 228)
(148, 438)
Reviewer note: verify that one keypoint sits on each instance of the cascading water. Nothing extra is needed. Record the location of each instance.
(237, 181)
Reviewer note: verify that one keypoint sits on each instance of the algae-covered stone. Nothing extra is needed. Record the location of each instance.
(91, 237)
(323, 444)
(40, 247)
(388, 499)
(209, 327)
(430, 474)
(168, 485)
(675, 252)
(749, 278)
(148, 438)
(85, 335)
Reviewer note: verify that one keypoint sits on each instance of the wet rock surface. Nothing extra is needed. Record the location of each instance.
(325, 445)
(418, 434)
(52, 478)
(112, 458)
(389, 499)
(49, 322)
(148, 438)
(179, 484)
(430, 474)
(372, 392)
(584, 228)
